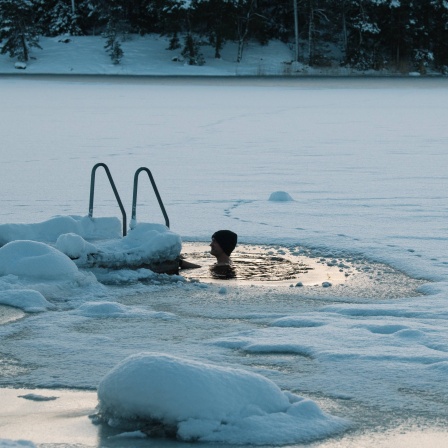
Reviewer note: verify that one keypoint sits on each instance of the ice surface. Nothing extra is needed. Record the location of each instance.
(112, 309)
(364, 160)
(4, 443)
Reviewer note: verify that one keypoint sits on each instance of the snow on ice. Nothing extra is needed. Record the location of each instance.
(280, 196)
(47, 252)
(36, 260)
(112, 309)
(4, 443)
(148, 55)
(29, 300)
(196, 401)
(365, 161)
(50, 230)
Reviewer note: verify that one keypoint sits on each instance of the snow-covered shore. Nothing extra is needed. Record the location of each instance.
(148, 56)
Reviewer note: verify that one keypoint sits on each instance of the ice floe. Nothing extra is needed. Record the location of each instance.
(197, 401)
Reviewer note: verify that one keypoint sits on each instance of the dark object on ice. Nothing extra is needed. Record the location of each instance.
(157, 429)
(65, 40)
(35, 397)
(184, 264)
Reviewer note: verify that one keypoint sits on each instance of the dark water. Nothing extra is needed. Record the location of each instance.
(299, 267)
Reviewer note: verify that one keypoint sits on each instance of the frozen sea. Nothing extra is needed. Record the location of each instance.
(365, 162)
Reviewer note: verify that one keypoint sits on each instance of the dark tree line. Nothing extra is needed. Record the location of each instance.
(400, 35)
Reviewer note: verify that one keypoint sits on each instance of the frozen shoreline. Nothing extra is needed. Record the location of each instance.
(271, 80)
(148, 55)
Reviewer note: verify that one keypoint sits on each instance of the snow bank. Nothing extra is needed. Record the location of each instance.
(203, 402)
(50, 230)
(148, 55)
(104, 309)
(146, 242)
(75, 246)
(28, 300)
(36, 260)
(32, 273)
(280, 196)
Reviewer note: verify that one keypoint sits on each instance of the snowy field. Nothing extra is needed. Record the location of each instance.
(365, 162)
(148, 55)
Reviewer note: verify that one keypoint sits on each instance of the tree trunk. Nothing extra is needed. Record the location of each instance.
(218, 45)
(310, 33)
(344, 30)
(243, 29)
(24, 48)
(296, 32)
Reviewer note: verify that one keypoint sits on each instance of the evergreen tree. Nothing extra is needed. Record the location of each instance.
(363, 31)
(213, 19)
(371, 34)
(113, 45)
(191, 51)
(18, 30)
(439, 33)
(117, 27)
(175, 18)
(90, 16)
(174, 41)
(57, 17)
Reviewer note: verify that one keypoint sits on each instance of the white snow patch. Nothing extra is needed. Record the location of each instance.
(5, 443)
(280, 196)
(74, 246)
(36, 260)
(111, 309)
(210, 403)
(145, 242)
(50, 230)
(28, 300)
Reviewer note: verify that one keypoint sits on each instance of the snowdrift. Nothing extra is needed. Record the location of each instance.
(52, 259)
(152, 246)
(195, 401)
